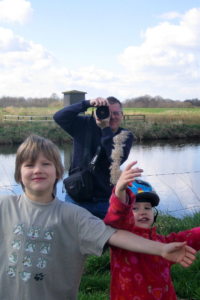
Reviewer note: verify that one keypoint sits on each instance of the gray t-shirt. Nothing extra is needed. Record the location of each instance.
(44, 247)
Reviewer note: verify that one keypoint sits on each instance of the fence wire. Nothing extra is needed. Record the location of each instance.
(10, 188)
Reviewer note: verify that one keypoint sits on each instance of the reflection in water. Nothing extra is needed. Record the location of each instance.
(172, 167)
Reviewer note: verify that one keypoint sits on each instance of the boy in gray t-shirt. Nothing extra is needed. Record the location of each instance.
(44, 241)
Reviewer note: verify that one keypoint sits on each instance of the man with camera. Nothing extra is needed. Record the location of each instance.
(103, 131)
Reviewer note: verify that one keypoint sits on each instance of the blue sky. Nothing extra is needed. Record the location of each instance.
(125, 49)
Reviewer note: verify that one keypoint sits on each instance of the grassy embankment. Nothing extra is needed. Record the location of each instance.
(95, 282)
(161, 123)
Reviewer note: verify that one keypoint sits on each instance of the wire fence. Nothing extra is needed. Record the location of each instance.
(10, 187)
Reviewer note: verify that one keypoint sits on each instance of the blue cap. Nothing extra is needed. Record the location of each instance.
(144, 192)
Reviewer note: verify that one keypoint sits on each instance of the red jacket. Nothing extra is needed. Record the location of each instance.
(137, 276)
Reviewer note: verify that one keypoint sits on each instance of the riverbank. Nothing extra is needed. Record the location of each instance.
(15, 133)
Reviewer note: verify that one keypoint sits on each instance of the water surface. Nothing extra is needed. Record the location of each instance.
(172, 167)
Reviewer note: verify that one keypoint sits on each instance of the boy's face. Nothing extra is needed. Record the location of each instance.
(39, 178)
(143, 214)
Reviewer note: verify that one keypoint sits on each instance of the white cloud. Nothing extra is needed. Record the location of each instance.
(166, 64)
(168, 56)
(15, 11)
(170, 16)
(29, 70)
(10, 42)
(15, 51)
(166, 45)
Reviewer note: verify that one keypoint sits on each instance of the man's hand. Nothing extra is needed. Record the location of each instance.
(99, 101)
(179, 253)
(127, 176)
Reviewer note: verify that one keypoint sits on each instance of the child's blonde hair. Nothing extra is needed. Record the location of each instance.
(30, 149)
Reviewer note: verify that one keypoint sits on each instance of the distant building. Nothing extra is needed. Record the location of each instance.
(73, 96)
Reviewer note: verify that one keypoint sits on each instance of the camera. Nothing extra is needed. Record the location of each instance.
(102, 112)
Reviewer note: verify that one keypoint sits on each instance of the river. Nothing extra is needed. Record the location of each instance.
(171, 166)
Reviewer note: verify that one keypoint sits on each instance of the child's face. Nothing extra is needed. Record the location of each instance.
(39, 178)
(143, 214)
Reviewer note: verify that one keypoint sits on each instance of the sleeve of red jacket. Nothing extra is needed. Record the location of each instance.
(120, 215)
(192, 237)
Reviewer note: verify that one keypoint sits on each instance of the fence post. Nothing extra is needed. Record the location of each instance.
(124, 118)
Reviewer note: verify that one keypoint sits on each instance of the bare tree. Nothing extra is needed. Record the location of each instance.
(158, 102)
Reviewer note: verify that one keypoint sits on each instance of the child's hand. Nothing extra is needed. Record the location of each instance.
(179, 253)
(127, 176)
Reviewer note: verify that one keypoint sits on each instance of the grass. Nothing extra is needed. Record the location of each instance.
(160, 110)
(28, 111)
(161, 124)
(16, 133)
(165, 131)
(94, 296)
(160, 116)
(153, 115)
(95, 283)
(186, 281)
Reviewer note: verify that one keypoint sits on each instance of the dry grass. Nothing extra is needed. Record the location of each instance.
(172, 118)
(167, 116)
(153, 116)
(30, 111)
(27, 111)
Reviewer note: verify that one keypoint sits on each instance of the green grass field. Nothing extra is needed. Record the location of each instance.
(188, 116)
(161, 110)
(159, 116)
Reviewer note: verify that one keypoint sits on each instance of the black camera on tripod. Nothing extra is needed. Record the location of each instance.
(102, 112)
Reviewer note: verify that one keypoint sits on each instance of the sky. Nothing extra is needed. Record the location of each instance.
(105, 48)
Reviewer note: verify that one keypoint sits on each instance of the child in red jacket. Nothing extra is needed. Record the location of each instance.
(137, 276)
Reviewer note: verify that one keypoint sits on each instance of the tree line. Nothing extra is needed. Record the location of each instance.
(139, 102)
(158, 102)
(53, 100)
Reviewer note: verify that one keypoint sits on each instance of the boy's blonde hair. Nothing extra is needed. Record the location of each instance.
(30, 149)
